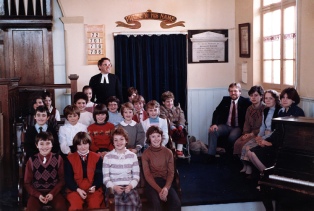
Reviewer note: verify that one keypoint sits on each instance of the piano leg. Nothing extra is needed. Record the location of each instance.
(267, 197)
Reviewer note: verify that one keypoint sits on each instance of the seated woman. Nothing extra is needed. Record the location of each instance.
(253, 120)
(177, 121)
(158, 167)
(135, 130)
(122, 173)
(83, 175)
(271, 99)
(263, 155)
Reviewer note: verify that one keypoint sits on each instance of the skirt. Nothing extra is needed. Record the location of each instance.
(128, 201)
(249, 145)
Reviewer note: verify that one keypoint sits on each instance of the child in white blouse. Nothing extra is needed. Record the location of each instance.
(86, 117)
(70, 128)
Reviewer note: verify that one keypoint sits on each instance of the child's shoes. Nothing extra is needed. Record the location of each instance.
(180, 154)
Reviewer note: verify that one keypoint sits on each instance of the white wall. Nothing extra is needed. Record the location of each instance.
(200, 14)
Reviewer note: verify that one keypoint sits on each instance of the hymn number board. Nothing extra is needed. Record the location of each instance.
(95, 43)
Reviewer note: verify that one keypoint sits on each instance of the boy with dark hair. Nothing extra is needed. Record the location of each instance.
(80, 100)
(44, 176)
(41, 116)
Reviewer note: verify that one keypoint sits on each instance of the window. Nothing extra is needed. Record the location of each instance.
(279, 43)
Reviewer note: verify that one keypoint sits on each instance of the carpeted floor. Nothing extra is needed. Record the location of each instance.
(215, 183)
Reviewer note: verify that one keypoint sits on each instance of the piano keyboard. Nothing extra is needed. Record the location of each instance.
(291, 180)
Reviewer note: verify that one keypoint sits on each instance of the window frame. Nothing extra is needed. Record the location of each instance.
(283, 4)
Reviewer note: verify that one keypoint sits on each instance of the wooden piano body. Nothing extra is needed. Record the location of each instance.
(293, 171)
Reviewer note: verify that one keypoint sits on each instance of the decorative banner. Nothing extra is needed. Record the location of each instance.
(95, 43)
(167, 21)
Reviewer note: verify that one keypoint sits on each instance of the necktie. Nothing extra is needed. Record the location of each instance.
(40, 129)
(233, 115)
(83, 157)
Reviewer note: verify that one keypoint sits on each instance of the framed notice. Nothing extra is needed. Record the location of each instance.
(95, 43)
(244, 40)
(208, 46)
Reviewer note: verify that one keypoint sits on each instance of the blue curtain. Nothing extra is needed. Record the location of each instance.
(153, 64)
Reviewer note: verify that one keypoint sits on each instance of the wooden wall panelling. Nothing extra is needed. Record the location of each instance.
(1, 54)
(30, 56)
(9, 106)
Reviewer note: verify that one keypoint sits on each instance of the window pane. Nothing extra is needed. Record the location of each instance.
(289, 48)
(288, 72)
(268, 50)
(276, 72)
(268, 2)
(276, 49)
(272, 23)
(289, 20)
(267, 71)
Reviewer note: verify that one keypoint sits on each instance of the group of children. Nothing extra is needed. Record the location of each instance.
(93, 137)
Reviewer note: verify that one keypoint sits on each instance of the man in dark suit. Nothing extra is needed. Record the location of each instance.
(228, 118)
(105, 84)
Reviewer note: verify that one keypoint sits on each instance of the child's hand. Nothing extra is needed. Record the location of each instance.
(128, 188)
(163, 194)
(133, 150)
(49, 197)
(43, 199)
(82, 193)
(118, 189)
(92, 189)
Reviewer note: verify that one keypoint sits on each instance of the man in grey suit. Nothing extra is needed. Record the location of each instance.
(105, 84)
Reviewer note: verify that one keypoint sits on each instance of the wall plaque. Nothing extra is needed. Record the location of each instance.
(95, 43)
(208, 46)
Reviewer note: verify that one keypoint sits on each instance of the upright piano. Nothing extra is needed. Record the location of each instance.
(294, 167)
